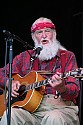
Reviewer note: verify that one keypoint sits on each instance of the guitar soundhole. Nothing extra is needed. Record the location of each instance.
(21, 95)
(21, 90)
(18, 98)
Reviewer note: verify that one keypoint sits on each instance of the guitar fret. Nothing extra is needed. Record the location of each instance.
(40, 83)
(28, 87)
(31, 86)
(45, 82)
(36, 85)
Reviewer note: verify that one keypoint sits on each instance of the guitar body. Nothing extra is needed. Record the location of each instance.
(33, 97)
(2, 103)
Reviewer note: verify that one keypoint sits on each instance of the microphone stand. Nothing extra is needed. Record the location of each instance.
(10, 39)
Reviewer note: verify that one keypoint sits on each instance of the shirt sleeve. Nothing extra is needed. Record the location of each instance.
(20, 65)
(72, 84)
(16, 68)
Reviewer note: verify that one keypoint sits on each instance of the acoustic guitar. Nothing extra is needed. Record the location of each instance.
(31, 90)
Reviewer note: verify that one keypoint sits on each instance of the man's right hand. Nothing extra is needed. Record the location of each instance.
(15, 88)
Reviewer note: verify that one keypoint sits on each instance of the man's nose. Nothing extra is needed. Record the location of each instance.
(44, 35)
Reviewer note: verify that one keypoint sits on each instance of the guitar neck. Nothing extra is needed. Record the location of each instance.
(37, 84)
(75, 73)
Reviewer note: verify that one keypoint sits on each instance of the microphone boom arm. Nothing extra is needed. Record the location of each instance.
(9, 34)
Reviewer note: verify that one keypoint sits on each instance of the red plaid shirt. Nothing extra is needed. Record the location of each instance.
(64, 61)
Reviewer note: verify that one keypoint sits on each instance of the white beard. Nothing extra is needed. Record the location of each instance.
(49, 50)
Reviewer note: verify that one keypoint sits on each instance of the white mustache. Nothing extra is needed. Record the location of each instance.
(42, 39)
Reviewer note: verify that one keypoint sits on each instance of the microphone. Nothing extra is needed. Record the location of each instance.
(8, 33)
(38, 50)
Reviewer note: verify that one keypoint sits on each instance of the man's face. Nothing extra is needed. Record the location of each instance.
(43, 36)
(46, 38)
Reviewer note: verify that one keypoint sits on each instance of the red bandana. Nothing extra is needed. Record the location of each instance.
(42, 25)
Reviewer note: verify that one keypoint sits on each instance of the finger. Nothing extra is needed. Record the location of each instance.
(56, 78)
(15, 86)
(14, 94)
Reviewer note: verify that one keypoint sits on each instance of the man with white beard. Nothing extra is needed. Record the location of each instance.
(51, 99)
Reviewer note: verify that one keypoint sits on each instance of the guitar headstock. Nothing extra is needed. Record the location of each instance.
(77, 73)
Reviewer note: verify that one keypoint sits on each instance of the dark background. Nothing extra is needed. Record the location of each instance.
(67, 15)
(17, 17)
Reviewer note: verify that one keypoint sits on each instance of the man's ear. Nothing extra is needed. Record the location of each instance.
(32, 35)
(55, 33)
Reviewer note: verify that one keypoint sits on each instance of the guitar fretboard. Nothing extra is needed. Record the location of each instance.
(45, 81)
(37, 84)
